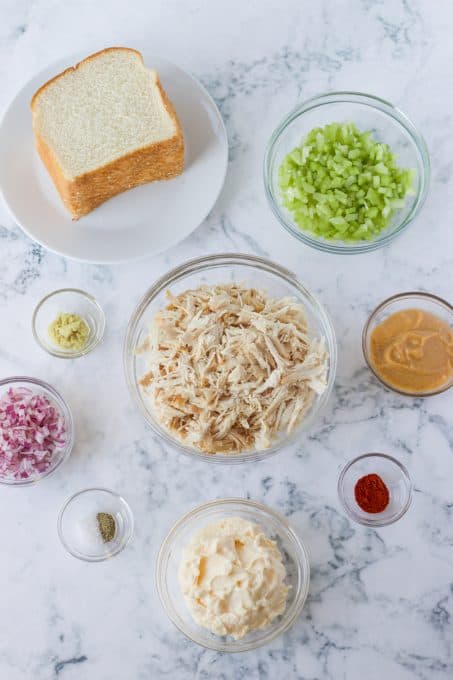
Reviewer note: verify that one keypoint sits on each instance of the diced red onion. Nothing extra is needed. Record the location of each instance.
(32, 433)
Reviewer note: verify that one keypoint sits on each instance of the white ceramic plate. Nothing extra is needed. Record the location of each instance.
(140, 222)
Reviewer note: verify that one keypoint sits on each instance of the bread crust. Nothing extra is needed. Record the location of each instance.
(157, 161)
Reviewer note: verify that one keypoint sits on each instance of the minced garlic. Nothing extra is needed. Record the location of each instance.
(69, 331)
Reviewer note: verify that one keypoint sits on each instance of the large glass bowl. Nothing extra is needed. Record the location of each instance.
(276, 527)
(215, 269)
(43, 388)
(387, 123)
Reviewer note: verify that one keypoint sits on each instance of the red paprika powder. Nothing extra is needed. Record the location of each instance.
(371, 494)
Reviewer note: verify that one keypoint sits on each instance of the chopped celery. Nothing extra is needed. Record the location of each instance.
(342, 184)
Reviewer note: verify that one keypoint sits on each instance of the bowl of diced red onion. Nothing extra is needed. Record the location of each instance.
(36, 430)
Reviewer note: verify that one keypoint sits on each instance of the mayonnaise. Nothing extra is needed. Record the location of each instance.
(233, 578)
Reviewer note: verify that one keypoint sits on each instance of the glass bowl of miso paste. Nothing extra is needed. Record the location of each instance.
(408, 344)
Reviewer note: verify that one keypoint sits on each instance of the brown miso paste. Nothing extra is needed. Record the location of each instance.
(412, 350)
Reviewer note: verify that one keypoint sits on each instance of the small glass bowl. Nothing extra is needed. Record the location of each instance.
(249, 270)
(73, 301)
(78, 529)
(275, 526)
(397, 303)
(393, 474)
(41, 387)
(388, 124)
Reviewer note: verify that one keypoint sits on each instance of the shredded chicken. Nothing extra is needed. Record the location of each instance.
(230, 369)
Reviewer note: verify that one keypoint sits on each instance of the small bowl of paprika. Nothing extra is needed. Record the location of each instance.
(375, 489)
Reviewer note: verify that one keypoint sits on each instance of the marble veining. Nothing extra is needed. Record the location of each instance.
(381, 602)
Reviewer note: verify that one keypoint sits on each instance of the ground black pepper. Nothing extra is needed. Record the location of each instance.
(107, 526)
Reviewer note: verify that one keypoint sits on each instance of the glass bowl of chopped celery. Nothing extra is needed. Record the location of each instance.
(346, 172)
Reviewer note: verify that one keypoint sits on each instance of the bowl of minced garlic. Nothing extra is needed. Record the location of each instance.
(68, 323)
(408, 344)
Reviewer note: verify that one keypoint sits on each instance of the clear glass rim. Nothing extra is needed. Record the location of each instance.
(118, 549)
(208, 262)
(303, 565)
(67, 414)
(354, 98)
(408, 295)
(94, 342)
(369, 521)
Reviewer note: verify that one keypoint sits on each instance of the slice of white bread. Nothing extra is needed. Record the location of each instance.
(104, 126)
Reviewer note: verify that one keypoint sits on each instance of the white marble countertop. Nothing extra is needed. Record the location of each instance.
(381, 602)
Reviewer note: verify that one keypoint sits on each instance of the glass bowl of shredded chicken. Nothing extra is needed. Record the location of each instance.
(229, 357)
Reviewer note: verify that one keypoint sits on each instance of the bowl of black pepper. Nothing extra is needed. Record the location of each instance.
(95, 524)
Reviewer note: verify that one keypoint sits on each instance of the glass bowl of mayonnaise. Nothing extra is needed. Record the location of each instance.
(232, 575)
